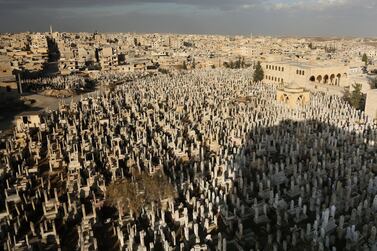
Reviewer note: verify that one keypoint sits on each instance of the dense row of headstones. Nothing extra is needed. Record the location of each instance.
(113, 78)
(71, 82)
(250, 173)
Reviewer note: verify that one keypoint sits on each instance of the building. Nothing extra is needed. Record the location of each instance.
(293, 96)
(38, 43)
(8, 82)
(107, 58)
(288, 71)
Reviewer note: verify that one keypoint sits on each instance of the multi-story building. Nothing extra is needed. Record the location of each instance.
(302, 72)
(107, 58)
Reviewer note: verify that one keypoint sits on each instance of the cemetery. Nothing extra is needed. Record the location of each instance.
(205, 160)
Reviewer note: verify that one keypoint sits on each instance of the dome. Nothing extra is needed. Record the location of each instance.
(293, 87)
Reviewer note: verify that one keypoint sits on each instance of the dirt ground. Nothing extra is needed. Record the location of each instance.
(12, 108)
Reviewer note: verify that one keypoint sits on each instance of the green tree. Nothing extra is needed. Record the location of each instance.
(184, 65)
(258, 73)
(365, 59)
(243, 65)
(355, 98)
(238, 63)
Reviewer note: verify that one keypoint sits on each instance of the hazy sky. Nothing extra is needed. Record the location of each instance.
(267, 17)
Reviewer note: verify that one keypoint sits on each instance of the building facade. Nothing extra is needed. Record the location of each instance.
(287, 72)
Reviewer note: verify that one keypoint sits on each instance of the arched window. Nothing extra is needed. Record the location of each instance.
(284, 98)
(332, 77)
(300, 100)
(326, 79)
(319, 78)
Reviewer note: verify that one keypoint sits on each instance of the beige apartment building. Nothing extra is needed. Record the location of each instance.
(107, 57)
(300, 72)
(7, 80)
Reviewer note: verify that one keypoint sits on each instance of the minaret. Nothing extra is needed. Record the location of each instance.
(50, 29)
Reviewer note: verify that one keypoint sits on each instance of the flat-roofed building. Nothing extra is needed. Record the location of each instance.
(7, 80)
(302, 72)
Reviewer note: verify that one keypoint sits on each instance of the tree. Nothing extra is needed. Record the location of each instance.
(132, 195)
(258, 73)
(365, 59)
(355, 98)
(238, 63)
(184, 65)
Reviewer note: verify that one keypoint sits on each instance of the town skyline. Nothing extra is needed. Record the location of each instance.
(341, 18)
